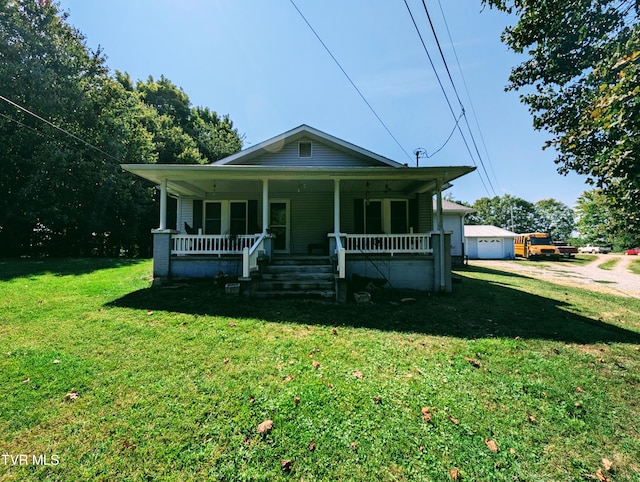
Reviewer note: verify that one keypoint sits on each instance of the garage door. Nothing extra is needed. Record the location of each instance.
(490, 248)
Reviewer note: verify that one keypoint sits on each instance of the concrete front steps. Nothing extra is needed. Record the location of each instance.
(297, 277)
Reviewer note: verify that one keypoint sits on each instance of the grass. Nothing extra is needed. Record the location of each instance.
(634, 266)
(583, 259)
(114, 380)
(609, 264)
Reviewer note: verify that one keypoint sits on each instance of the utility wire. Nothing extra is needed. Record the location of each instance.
(24, 109)
(446, 66)
(446, 97)
(448, 138)
(351, 81)
(466, 88)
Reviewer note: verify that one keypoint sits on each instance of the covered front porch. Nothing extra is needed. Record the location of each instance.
(344, 214)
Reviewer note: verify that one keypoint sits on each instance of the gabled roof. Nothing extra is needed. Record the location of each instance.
(479, 231)
(304, 132)
(268, 161)
(449, 207)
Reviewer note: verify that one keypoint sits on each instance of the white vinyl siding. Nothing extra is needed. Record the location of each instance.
(321, 155)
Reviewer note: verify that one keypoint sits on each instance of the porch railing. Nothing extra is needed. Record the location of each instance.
(183, 244)
(341, 267)
(388, 243)
(250, 255)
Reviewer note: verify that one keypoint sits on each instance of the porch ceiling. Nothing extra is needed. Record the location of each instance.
(199, 180)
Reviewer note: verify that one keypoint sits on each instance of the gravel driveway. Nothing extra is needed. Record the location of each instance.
(618, 280)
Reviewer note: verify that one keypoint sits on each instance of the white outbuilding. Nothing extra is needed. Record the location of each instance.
(488, 242)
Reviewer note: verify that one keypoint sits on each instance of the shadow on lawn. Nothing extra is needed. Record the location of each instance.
(475, 309)
(21, 268)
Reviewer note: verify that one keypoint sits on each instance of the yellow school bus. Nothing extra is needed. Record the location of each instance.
(535, 245)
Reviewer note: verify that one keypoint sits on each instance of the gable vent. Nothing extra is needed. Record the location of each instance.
(304, 149)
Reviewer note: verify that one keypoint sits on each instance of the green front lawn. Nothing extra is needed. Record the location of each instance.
(507, 378)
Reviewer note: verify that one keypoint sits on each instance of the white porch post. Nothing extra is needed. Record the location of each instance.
(265, 205)
(163, 205)
(441, 237)
(336, 206)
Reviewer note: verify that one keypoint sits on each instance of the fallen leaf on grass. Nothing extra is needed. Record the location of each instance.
(454, 420)
(334, 331)
(286, 465)
(472, 362)
(312, 446)
(149, 313)
(377, 400)
(606, 463)
(233, 324)
(73, 395)
(454, 474)
(512, 451)
(296, 401)
(27, 380)
(56, 362)
(358, 374)
(601, 476)
(531, 419)
(288, 378)
(226, 360)
(316, 364)
(426, 414)
(491, 445)
(265, 427)
(579, 390)
(354, 445)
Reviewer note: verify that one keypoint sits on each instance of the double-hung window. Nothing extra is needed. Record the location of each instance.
(225, 217)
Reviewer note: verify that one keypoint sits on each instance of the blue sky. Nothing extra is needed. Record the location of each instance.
(260, 63)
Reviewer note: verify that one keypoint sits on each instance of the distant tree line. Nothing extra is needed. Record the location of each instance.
(521, 216)
(62, 191)
(593, 220)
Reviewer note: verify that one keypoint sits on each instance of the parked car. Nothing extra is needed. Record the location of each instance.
(633, 251)
(566, 250)
(594, 249)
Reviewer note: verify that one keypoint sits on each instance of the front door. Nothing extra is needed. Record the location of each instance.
(279, 220)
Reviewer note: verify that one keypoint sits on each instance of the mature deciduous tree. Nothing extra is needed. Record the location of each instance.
(521, 216)
(184, 134)
(508, 212)
(64, 193)
(584, 58)
(555, 218)
(592, 210)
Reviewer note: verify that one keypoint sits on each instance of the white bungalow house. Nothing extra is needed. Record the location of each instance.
(303, 212)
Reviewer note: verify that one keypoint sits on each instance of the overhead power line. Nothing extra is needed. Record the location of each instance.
(351, 81)
(453, 84)
(466, 88)
(446, 97)
(70, 134)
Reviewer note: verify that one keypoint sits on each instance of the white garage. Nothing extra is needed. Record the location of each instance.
(488, 242)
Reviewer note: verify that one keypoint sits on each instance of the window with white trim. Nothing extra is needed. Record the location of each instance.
(225, 217)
